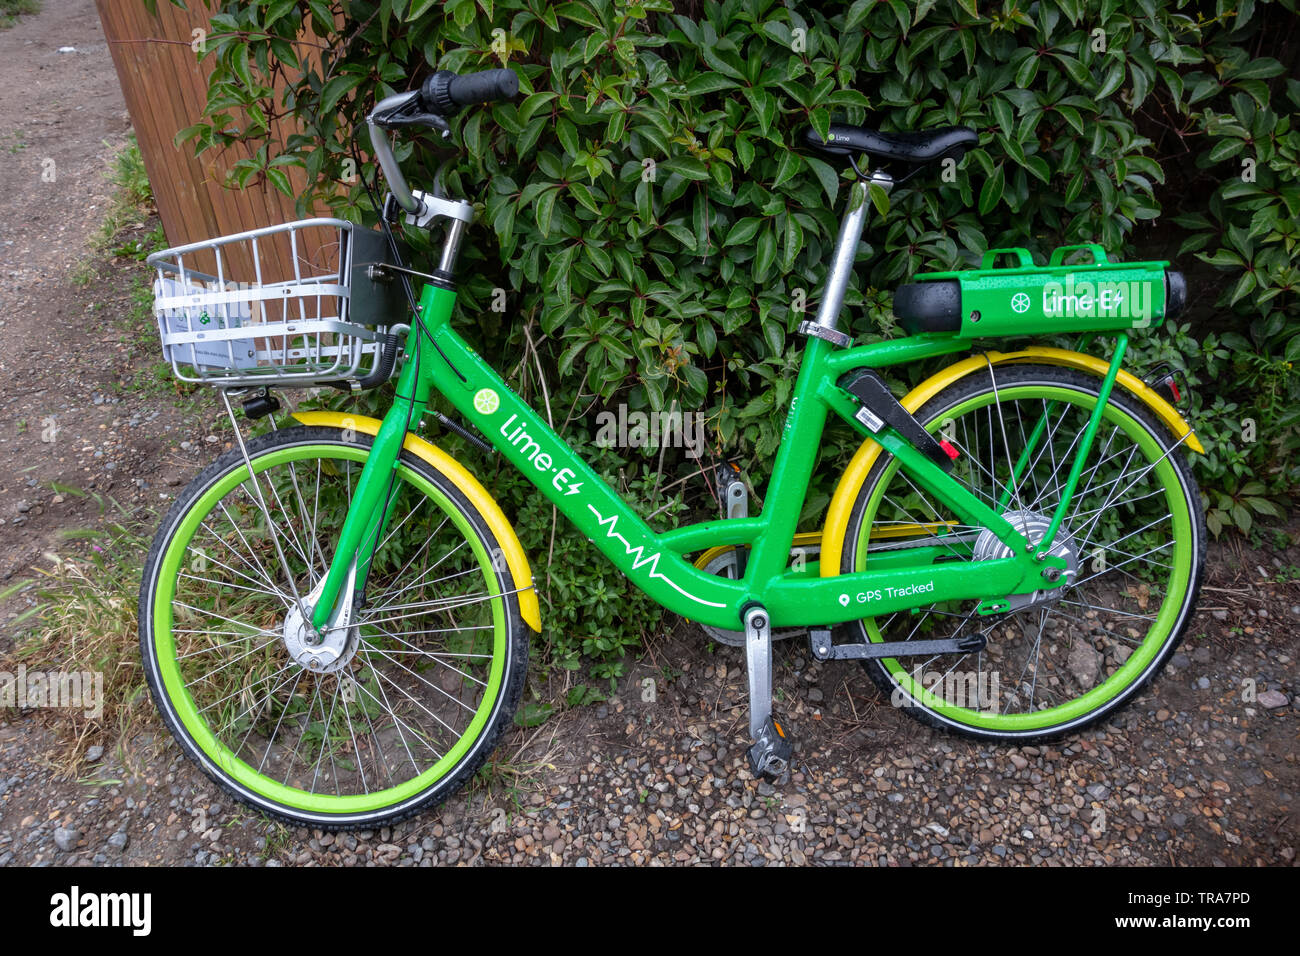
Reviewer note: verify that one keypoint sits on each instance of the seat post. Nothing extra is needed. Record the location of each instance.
(846, 247)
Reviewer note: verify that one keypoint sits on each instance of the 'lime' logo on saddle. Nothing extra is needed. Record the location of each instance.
(1101, 299)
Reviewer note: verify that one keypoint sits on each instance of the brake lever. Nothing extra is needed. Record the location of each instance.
(423, 119)
(400, 118)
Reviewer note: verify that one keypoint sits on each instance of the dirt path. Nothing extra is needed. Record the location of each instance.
(1191, 773)
(65, 348)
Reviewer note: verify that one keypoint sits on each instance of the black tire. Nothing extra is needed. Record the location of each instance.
(509, 643)
(934, 413)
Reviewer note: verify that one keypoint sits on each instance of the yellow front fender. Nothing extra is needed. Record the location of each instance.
(846, 492)
(469, 486)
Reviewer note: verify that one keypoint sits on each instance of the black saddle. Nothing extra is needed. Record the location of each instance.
(914, 149)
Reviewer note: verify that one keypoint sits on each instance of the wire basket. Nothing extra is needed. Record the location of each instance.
(269, 306)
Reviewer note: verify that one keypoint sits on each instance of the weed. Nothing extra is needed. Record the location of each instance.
(85, 621)
(11, 10)
(512, 773)
(1290, 573)
(669, 674)
(128, 211)
(277, 841)
(582, 695)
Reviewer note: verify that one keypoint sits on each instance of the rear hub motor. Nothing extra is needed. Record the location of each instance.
(1034, 526)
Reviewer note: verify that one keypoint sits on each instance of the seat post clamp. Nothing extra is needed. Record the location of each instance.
(819, 331)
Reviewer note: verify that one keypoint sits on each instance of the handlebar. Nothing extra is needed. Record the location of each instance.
(445, 93)
(441, 95)
(384, 150)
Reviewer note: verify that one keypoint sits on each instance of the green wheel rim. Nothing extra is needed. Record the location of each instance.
(185, 708)
(1161, 628)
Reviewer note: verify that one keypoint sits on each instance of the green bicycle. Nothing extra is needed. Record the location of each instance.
(335, 616)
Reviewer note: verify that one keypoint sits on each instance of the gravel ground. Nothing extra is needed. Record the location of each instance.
(1189, 774)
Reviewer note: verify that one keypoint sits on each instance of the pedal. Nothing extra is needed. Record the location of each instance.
(771, 751)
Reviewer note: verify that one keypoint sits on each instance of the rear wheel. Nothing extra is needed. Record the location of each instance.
(1133, 540)
(381, 717)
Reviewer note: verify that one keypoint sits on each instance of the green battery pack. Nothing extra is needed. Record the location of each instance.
(1025, 299)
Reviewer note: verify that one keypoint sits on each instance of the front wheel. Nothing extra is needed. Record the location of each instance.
(1133, 540)
(383, 717)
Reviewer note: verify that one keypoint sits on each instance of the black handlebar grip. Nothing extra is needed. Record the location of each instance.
(445, 93)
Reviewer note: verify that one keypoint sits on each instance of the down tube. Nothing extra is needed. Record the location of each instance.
(562, 476)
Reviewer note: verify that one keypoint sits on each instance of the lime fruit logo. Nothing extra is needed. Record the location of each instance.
(487, 401)
(1020, 302)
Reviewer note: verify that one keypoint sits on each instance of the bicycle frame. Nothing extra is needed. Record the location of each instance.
(438, 358)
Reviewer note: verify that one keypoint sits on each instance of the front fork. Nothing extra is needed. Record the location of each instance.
(370, 511)
(371, 508)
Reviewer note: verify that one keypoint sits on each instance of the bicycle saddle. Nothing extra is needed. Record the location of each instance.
(915, 148)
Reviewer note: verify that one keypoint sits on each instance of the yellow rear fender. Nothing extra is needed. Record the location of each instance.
(469, 486)
(846, 492)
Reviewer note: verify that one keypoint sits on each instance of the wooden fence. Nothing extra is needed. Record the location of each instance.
(165, 87)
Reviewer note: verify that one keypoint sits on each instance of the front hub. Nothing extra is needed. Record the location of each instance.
(325, 652)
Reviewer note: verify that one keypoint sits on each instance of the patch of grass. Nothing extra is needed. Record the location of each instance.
(512, 774)
(129, 210)
(129, 176)
(85, 621)
(278, 837)
(140, 247)
(11, 10)
(138, 330)
(157, 380)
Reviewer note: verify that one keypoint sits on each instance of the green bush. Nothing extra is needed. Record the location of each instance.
(660, 239)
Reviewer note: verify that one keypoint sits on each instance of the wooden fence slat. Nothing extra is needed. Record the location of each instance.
(165, 88)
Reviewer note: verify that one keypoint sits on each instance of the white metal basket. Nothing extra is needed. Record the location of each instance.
(273, 310)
